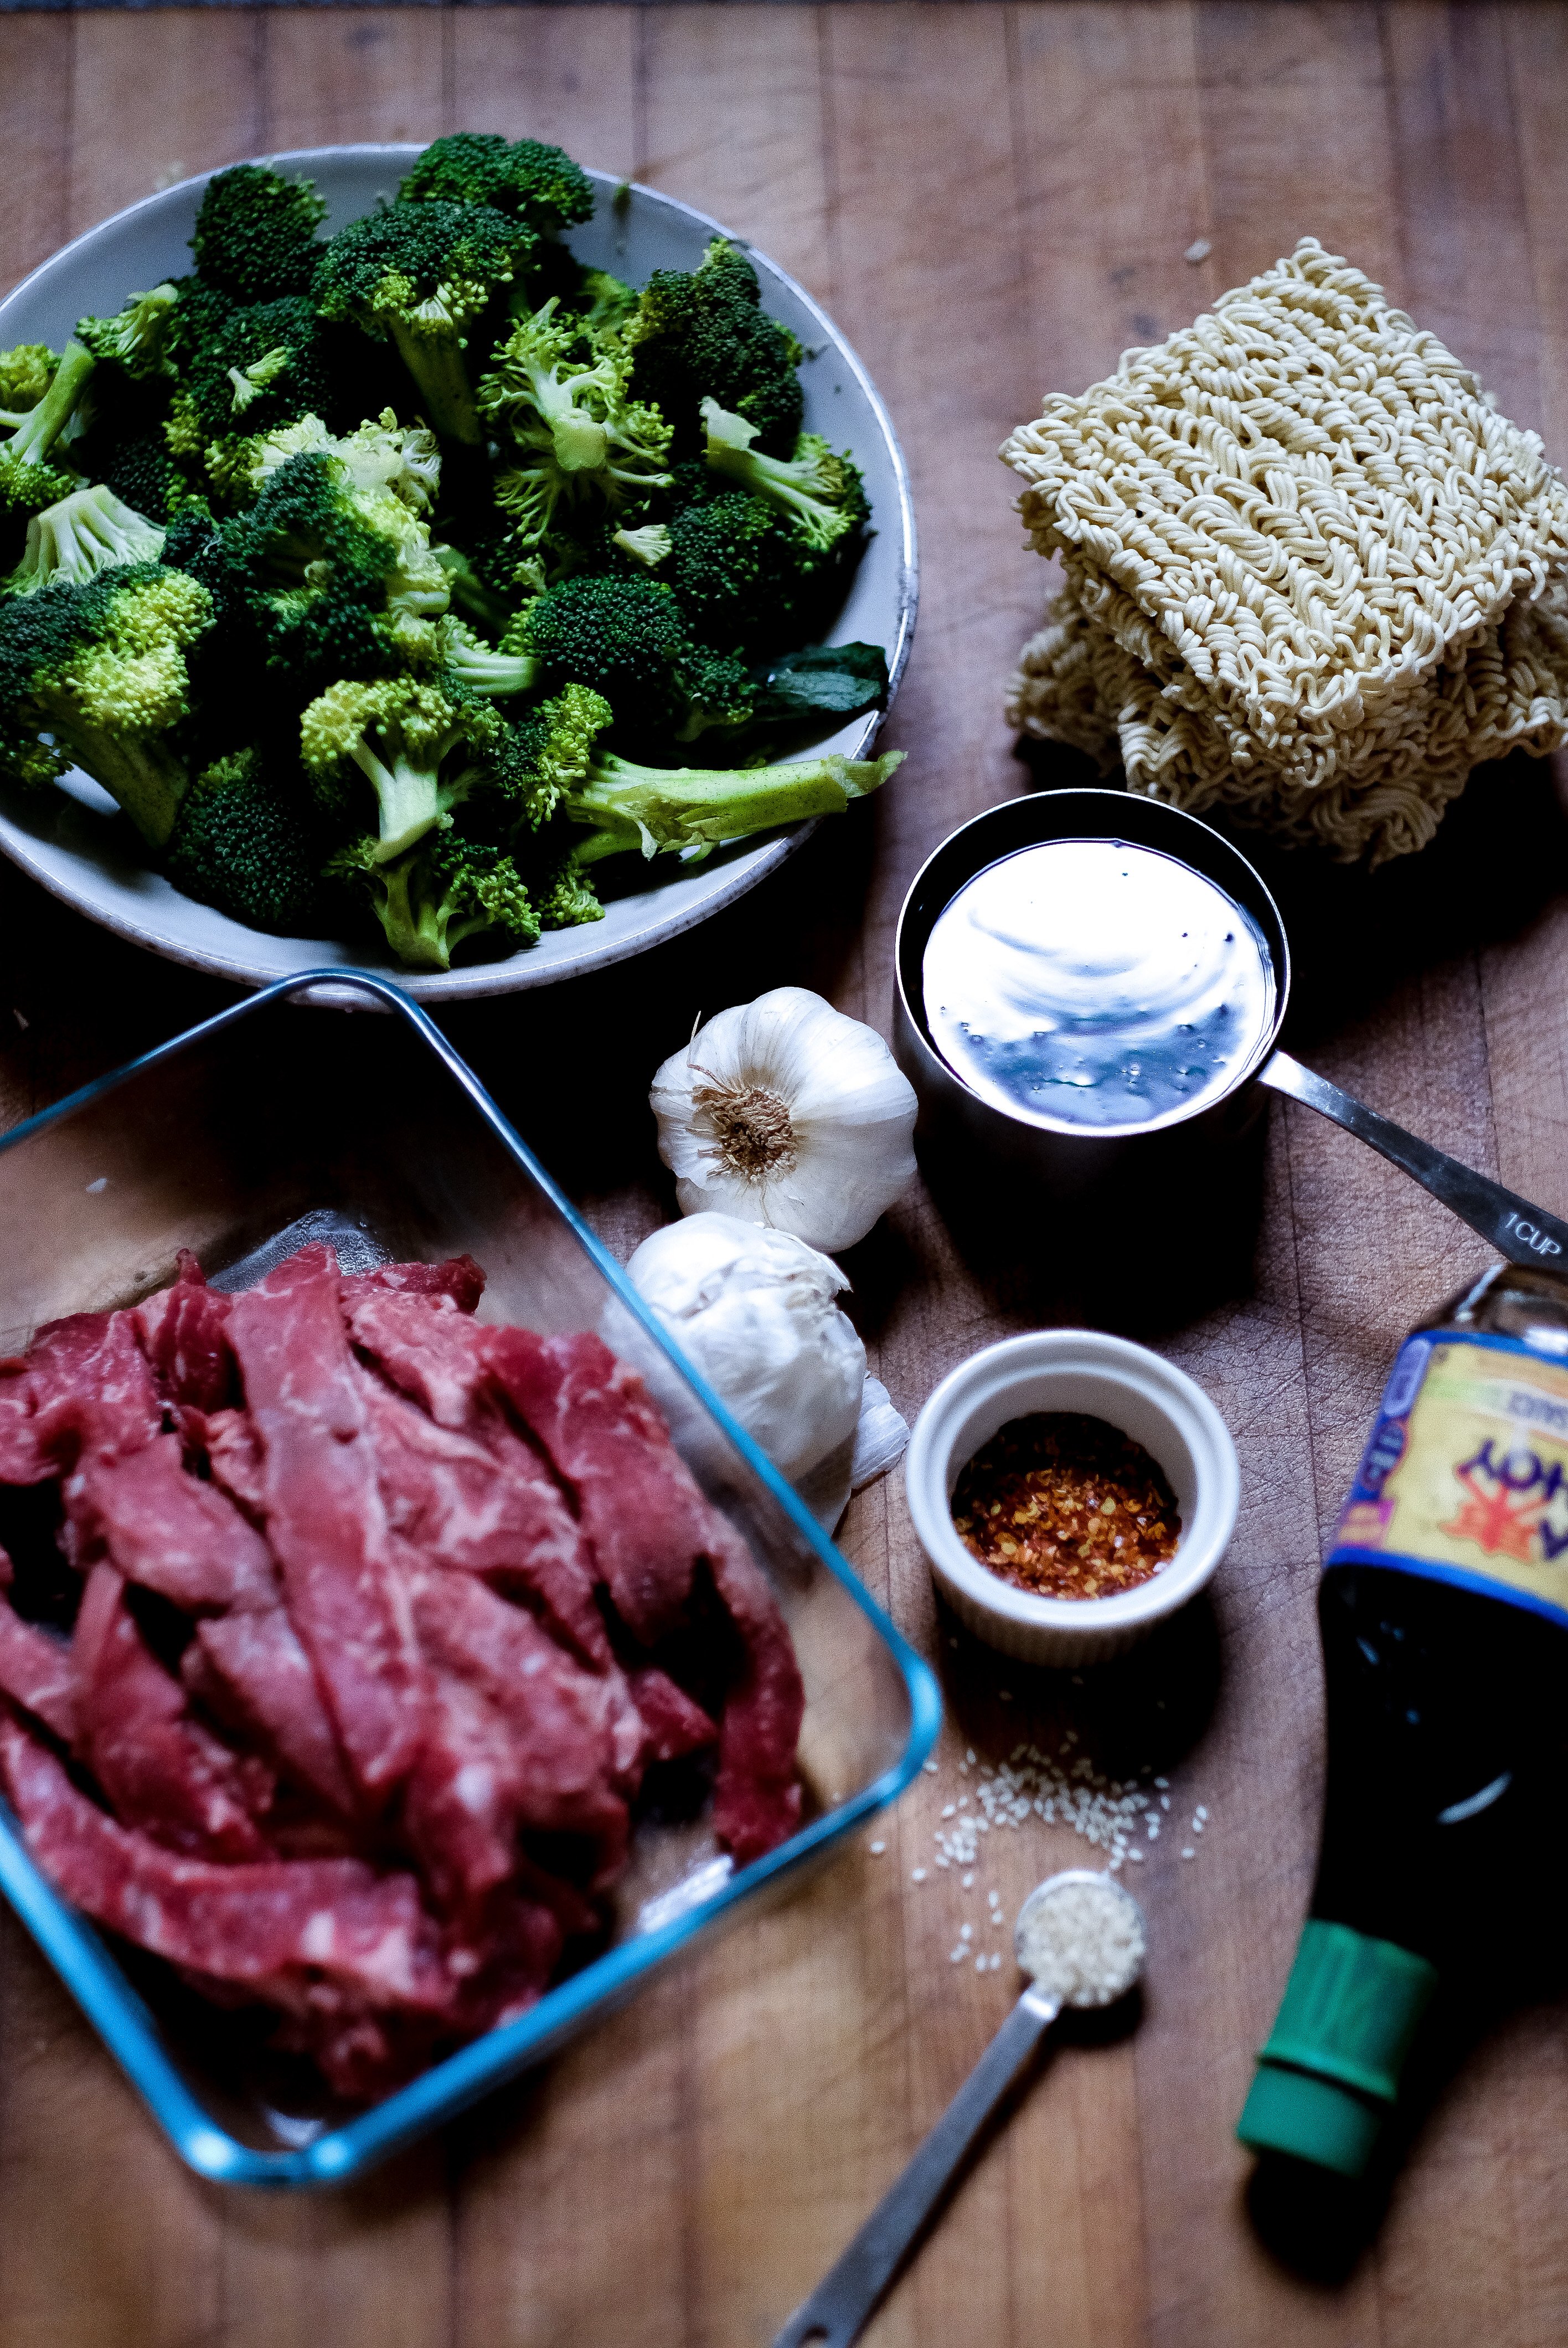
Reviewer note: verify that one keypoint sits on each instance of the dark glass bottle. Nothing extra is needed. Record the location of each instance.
(1443, 1608)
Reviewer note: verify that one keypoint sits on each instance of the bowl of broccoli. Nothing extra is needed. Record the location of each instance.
(445, 560)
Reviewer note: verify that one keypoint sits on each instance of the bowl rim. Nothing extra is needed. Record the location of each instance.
(1191, 1413)
(83, 1956)
(513, 973)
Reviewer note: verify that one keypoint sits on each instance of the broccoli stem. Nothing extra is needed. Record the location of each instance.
(408, 796)
(42, 425)
(145, 776)
(656, 808)
(436, 363)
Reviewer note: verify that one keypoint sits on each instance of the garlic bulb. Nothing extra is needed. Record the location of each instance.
(753, 1311)
(784, 1112)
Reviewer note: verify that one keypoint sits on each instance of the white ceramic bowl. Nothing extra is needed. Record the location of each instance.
(76, 843)
(1105, 1377)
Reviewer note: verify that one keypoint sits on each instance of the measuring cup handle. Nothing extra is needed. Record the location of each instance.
(842, 2302)
(1523, 1233)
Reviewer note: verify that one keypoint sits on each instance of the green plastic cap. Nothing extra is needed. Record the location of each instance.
(1329, 2075)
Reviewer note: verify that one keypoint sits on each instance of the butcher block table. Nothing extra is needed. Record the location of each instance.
(992, 201)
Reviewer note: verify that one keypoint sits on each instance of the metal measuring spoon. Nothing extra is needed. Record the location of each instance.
(1078, 1913)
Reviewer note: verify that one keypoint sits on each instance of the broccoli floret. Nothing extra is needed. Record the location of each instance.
(382, 454)
(561, 400)
(25, 373)
(738, 569)
(625, 638)
(647, 546)
(87, 533)
(499, 675)
(27, 446)
(606, 305)
(142, 474)
(102, 670)
(704, 335)
(823, 494)
(422, 747)
(538, 184)
(549, 754)
(255, 237)
(25, 491)
(338, 582)
(249, 840)
(692, 809)
(564, 895)
(420, 274)
(140, 338)
(444, 891)
(260, 370)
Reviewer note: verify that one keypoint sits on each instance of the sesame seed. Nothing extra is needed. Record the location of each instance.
(1165, 1801)
(1202, 1810)
(877, 1848)
(980, 1965)
(948, 1809)
(968, 1880)
(1004, 1695)
(929, 1767)
(917, 1875)
(996, 1961)
(1153, 1830)
(1189, 1852)
(955, 1956)
(966, 1932)
(1137, 1856)
(969, 1755)
(1161, 1783)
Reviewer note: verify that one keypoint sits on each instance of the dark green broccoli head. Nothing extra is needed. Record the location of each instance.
(421, 274)
(738, 571)
(534, 762)
(697, 330)
(141, 472)
(447, 890)
(102, 669)
(249, 840)
(337, 582)
(259, 367)
(536, 183)
(626, 639)
(255, 236)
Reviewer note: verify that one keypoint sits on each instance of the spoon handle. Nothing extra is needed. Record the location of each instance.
(1523, 1233)
(842, 2302)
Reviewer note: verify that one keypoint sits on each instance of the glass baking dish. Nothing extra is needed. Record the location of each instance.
(258, 1129)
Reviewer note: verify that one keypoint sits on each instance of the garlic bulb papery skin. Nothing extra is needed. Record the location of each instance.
(784, 1112)
(754, 1313)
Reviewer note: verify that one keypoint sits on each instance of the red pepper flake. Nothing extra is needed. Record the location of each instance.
(1066, 1505)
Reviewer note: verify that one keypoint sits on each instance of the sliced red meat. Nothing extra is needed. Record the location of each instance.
(461, 1804)
(439, 1358)
(326, 1520)
(35, 1671)
(182, 1333)
(650, 1525)
(228, 1441)
(253, 1675)
(283, 1925)
(673, 1724)
(459, 1281)
(461, 1504)
(756, 1795)
(169, 1531)
(21, 1460)
(91, 1388)
(161, 1770)
(559, 1719)
(503, 1962)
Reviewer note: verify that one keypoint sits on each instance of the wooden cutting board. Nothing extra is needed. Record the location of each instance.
(992, 201)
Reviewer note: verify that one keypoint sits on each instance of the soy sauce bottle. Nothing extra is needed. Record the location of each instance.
(1444, 1614)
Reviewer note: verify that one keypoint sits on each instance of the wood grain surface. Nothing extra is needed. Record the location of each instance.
(993, 202)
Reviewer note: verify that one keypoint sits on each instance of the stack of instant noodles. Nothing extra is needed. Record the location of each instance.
(1311, 575)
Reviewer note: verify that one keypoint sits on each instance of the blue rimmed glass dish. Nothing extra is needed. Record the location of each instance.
(254, 1131)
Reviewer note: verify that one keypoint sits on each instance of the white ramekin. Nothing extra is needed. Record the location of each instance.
(1106, 1377)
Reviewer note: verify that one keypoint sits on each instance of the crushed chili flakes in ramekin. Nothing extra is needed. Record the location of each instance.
(1066, 1505)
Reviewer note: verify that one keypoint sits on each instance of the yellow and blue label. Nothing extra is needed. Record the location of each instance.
(1465, 1477)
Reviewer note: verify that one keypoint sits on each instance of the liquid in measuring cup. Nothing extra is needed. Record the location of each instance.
(1096, 983)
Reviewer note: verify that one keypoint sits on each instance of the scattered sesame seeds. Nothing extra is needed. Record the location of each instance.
(929, 1767)
(1189, 1852)
(1165, 1801)
(980, 1965)
(1161, 1783)
(996, 1961)
(1136, 1855)
(948, 1808)
(917, 1875)
(966, 1932)
(969, 1755)
(968, 1880)
(955, 1956)
(876, 1848)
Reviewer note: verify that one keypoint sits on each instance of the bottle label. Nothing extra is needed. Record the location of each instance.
(1465, 1477)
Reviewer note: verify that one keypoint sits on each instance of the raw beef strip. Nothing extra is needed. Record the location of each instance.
(253, 1676)
(182, 1333)
(21, 1460)
(673, 1724)
(228, 1441)
(504, 1966)
(648, 1524)
(283, 1924)
(92, 1389)
(169, 1531)
(35, 1671)
(460, 1505)
(324, 1516)
(459, 1281)
(161, 1769)
(558, 1717)
(756, 1795)
(440, 1358)
(460, 1806)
